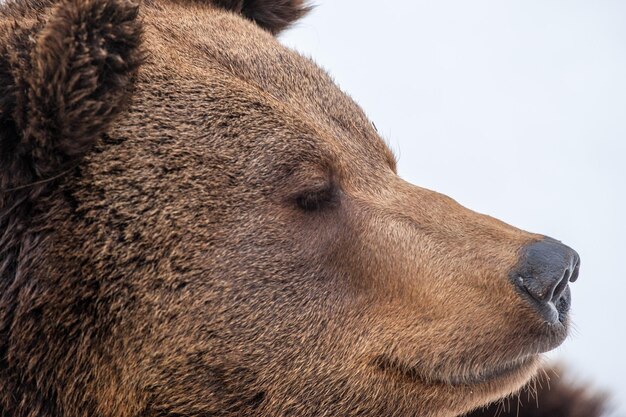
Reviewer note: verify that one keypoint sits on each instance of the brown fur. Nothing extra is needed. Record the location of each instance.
(549, 395)
(222, 232)
(272, 15)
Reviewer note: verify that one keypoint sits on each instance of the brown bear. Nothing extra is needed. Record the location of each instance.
(195, 221)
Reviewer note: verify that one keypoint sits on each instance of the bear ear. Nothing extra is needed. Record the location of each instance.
(272, 15)
(62, 82)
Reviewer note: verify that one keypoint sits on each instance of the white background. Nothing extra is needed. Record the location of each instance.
(516, 109)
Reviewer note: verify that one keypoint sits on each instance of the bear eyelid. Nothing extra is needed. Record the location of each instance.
(318, 198)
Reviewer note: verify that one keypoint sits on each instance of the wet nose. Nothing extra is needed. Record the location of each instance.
(545, 269)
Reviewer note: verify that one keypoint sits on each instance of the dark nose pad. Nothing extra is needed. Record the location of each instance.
(545, 269)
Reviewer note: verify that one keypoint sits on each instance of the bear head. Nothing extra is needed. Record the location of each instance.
(196, 221)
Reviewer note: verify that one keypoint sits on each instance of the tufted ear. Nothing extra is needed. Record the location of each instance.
(271, 15)
(62, 82)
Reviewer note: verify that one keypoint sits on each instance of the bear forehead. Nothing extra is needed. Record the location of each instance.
(209, 46)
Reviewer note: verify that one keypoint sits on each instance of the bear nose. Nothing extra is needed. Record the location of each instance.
(545, 269)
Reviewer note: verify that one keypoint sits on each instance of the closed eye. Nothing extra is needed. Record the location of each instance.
(318, 199)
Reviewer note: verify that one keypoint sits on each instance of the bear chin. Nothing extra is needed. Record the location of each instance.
(495, 383)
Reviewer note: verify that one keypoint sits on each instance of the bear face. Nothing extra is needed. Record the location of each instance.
(197, 221)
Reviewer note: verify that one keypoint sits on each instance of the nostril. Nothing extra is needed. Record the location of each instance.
(560, 287)
(541, 290)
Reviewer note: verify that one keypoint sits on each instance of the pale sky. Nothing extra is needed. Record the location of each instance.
(516, 109)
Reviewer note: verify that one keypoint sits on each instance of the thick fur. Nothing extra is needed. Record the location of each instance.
(65, 80)
(218, 230)
(272, 15)
(550, 395)
(66, 74)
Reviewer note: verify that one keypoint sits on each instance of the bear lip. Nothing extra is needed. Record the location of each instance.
(491, 374)
(485, 375)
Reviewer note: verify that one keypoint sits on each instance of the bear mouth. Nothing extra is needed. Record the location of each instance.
(484, 375)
